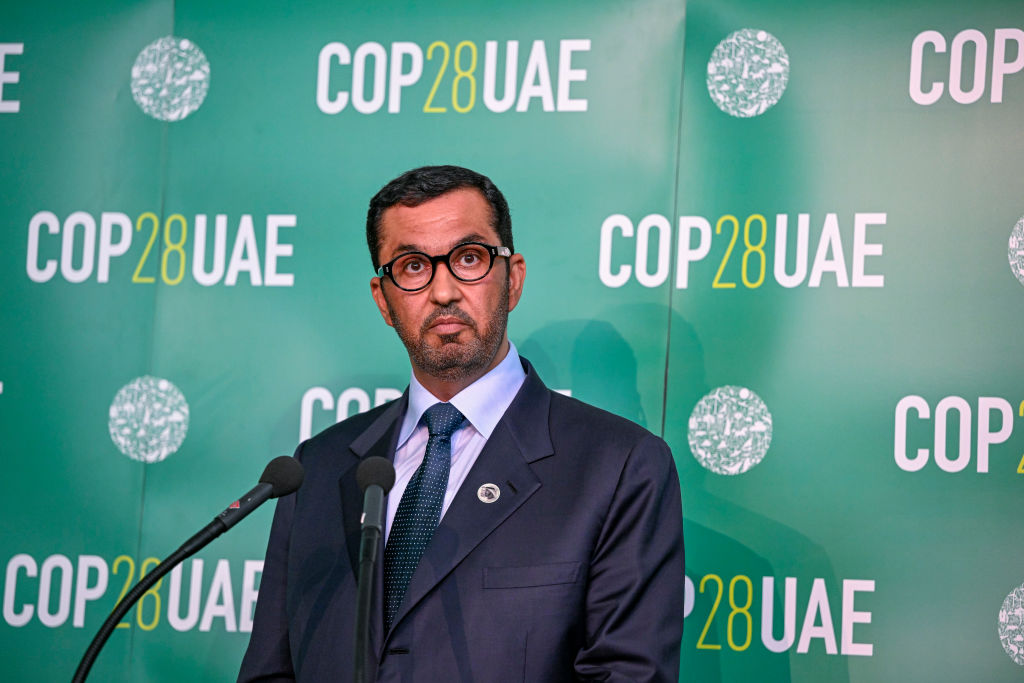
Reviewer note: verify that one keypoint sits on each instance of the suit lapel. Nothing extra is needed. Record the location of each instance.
(520, 438)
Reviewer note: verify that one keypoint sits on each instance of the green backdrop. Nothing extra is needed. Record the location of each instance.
(786, 236)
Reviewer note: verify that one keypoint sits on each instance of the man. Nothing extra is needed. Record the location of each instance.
(530, 537)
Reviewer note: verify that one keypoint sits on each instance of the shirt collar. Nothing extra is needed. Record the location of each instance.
(483, 402)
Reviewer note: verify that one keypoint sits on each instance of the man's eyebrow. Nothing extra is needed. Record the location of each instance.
(473, 237)
(406, 248)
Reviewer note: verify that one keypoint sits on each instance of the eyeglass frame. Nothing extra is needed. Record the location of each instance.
(492, 250)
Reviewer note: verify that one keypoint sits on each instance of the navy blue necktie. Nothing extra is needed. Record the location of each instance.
(419, 511)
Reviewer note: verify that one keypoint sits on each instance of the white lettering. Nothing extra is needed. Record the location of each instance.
(312, 396)
(802, 232)
(664, 246)
(350, 396)
(324, 100)
(917, 93)
(829, 243)
(964, 454)
(536, 80)
(174, 617)
(986, 437)
(818, 604)
(49, 269)
(83, 591)
(862, 249)
(377, 92)
(13, 616)
(244, 256)
(956, 60)
(850, 617)
(220, 602)
(274, 251)
(904, 406)
(9, 106)
(67, 251)
(490, 75)
(1000, 67)
(686, 255)
(208, 278)
(250, 592)
(50, 565)
(567, 75)
(108, 249)
(689, 596)
(400, 79)
(768, 610)
(604, 262)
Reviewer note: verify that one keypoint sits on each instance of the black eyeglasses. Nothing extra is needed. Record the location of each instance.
(468, 262)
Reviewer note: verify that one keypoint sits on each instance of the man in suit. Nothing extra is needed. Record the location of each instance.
(529, 537)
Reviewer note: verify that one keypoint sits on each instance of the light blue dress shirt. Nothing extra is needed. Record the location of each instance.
(483, 403)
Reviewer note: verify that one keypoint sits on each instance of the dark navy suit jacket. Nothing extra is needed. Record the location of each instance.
(574, 572)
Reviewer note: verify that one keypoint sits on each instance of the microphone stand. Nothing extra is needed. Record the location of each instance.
(187, 549)
(368, 545)
(282, 476)
(375, 477)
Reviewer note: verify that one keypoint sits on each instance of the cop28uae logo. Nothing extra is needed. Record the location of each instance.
(730, 430)
(170, 78)
(148, 419)
(747, 73)
(1011, 625)
(1015, 250)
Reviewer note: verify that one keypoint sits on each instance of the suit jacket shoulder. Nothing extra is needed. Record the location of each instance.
(603, 440)
(358, 432)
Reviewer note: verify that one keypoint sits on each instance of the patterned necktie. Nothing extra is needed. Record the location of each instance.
(419, 511)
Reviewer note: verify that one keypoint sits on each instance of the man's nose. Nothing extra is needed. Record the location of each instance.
(444, 288)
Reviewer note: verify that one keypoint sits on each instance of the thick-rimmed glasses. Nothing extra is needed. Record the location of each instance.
(467, 262)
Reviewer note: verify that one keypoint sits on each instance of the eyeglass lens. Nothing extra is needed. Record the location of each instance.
(467, 262)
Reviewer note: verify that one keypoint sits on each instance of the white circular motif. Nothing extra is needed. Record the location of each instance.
(1011, 625)
(730, 430)
(1015, 250)
(148, 419)
(170, 78)
(747, 73)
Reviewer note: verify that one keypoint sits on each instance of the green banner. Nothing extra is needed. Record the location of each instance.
(789, 238)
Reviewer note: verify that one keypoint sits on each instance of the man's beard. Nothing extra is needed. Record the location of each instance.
(453, 360)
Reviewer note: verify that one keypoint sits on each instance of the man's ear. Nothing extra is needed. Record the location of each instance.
(378, 297)
(516, 279)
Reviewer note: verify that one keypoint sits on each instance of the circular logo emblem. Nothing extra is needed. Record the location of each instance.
(1016, 250)
(170, 78)
(747, 73)
(730, 430)
(488, 493)
(148, 419)
(1011, 624)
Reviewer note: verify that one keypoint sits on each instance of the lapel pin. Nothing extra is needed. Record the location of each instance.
(488, 493)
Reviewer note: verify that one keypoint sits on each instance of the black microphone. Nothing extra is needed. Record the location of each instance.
(283, 475)
(375, 477)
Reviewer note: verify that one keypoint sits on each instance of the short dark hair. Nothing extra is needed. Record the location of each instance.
(422, 184)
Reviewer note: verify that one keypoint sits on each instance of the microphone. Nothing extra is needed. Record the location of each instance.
(375, 477)
(283, 475)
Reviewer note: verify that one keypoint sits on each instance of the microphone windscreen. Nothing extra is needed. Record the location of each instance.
(284, 474)
(375, 470)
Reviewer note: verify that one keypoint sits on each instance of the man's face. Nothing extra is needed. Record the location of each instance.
(454, 331)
